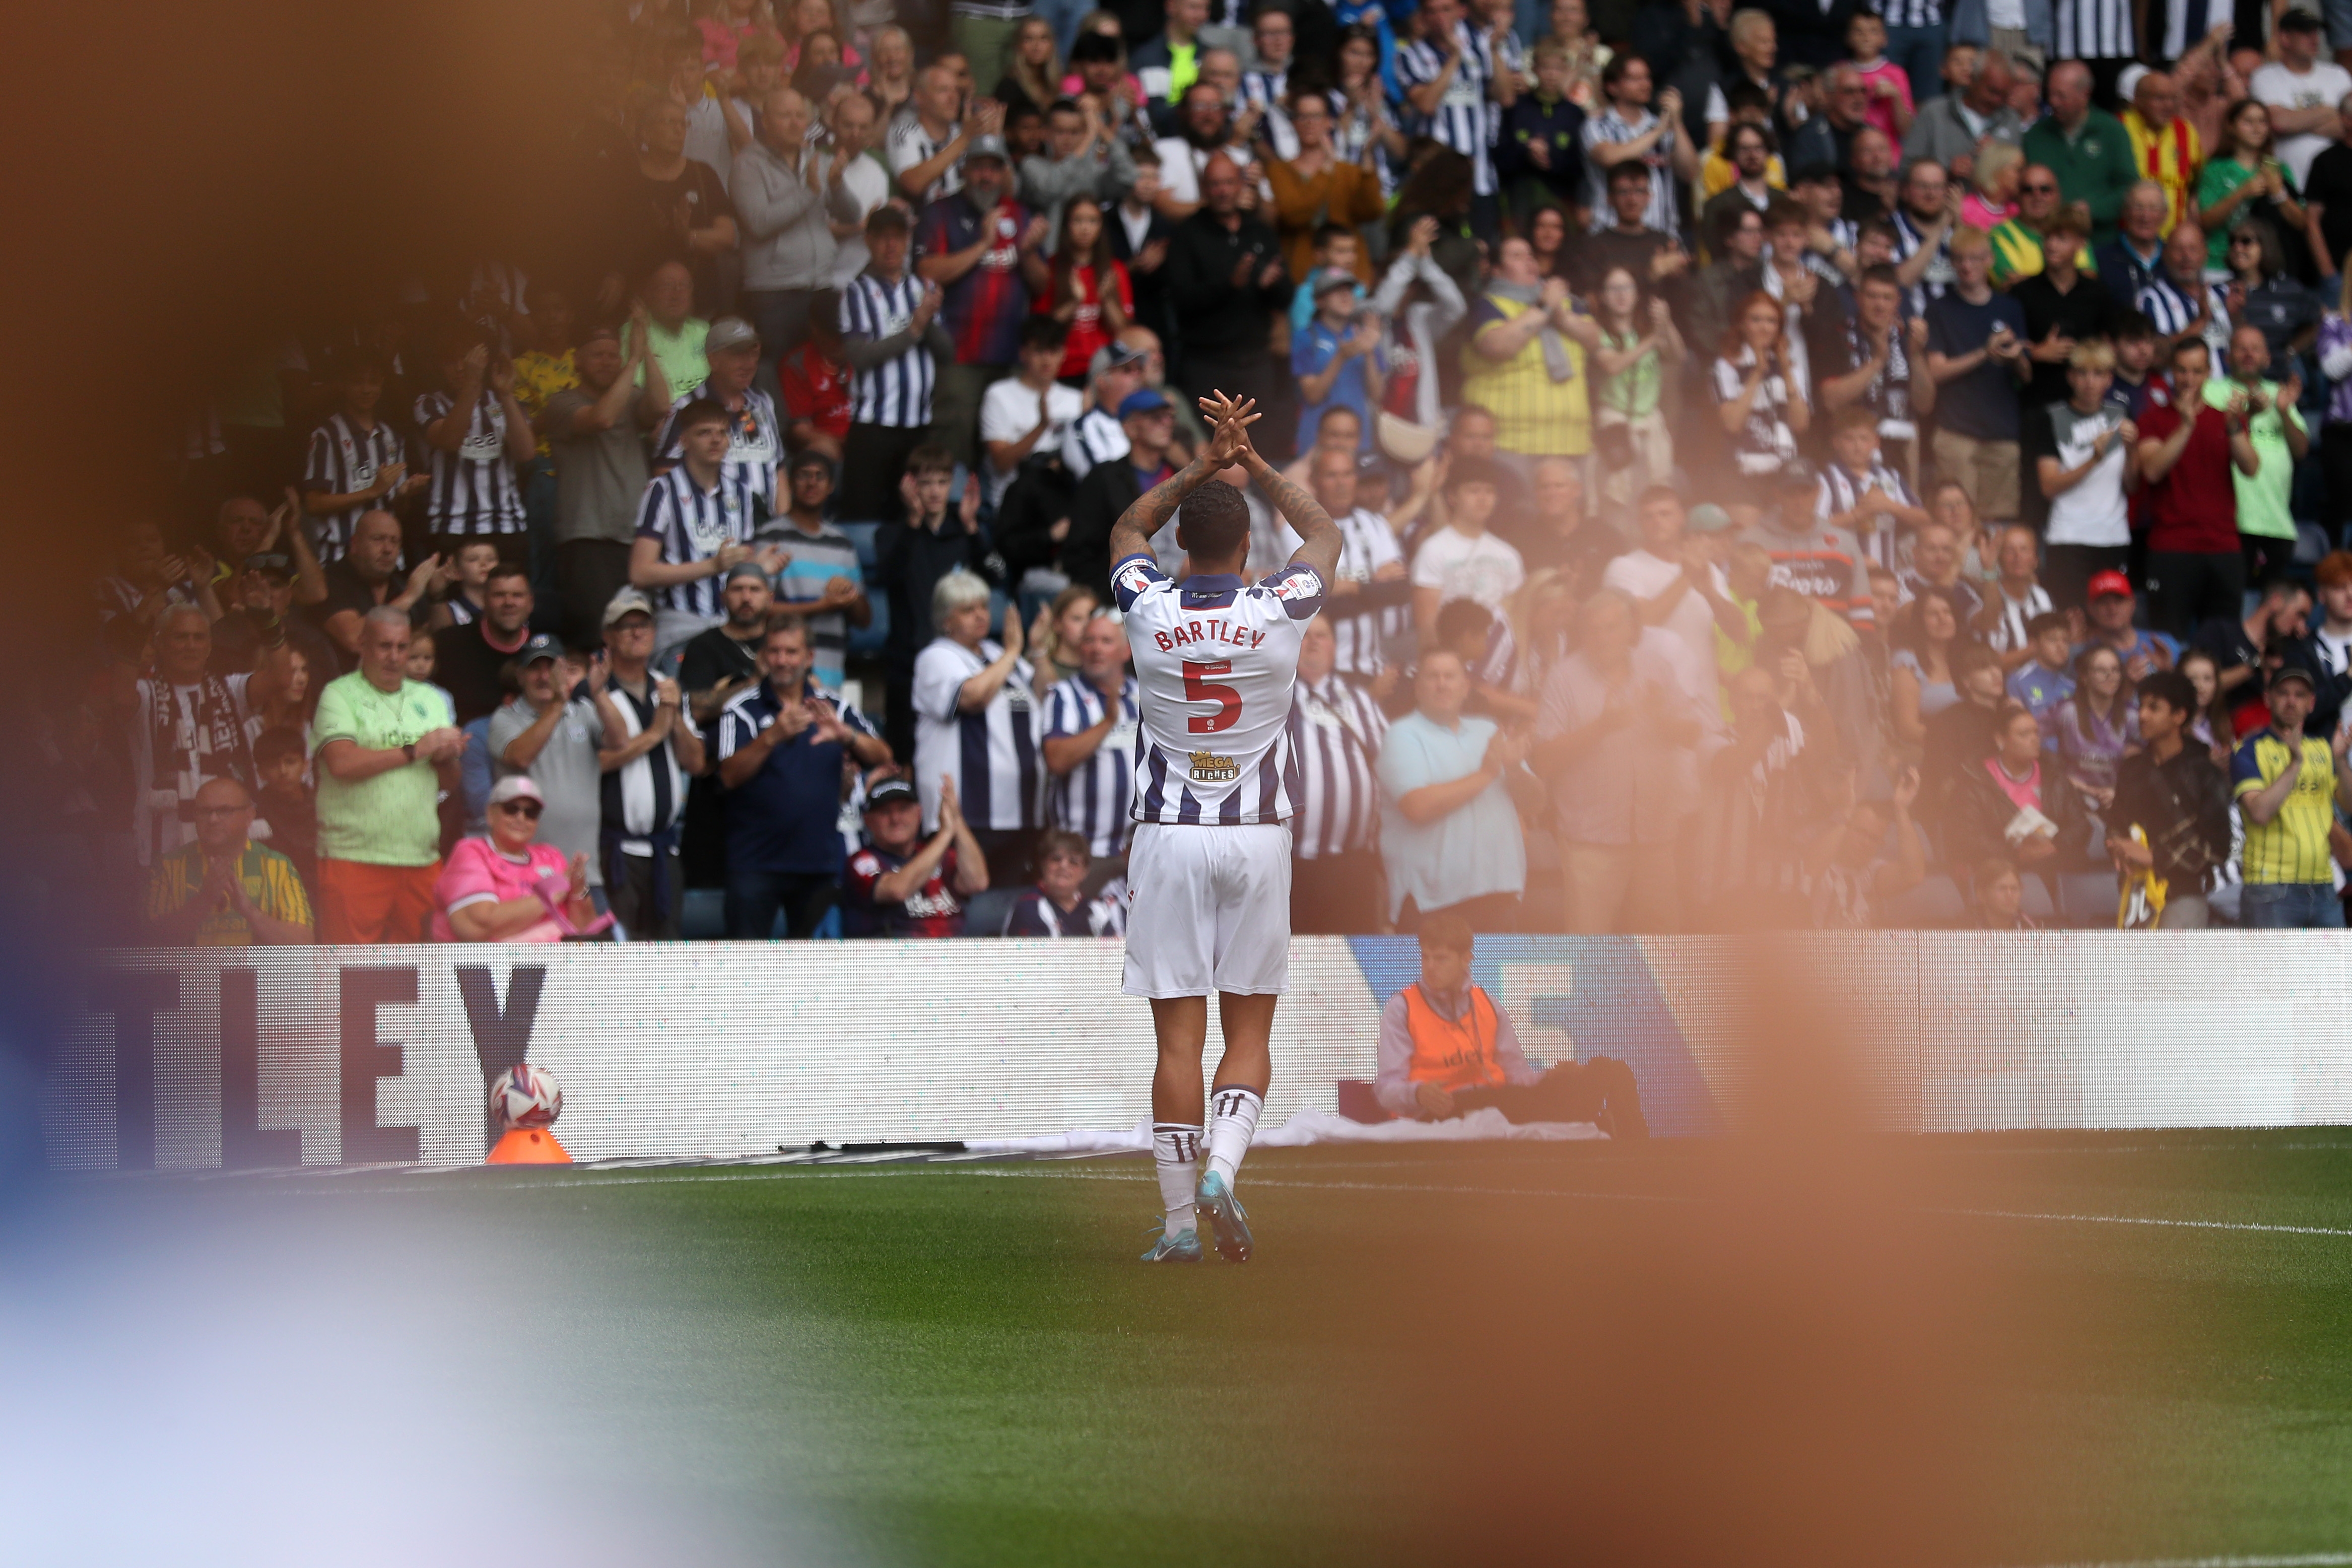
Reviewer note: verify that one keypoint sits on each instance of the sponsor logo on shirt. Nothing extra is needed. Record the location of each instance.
(1208, 767)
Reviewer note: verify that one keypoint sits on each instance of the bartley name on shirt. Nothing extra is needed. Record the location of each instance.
(1193, 631)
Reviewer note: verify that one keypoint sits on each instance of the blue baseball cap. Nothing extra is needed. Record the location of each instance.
(1144, 400)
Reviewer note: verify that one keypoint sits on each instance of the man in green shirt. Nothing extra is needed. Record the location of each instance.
(2275, 427)
(675, 332)
(386, 749)
(2088, 149)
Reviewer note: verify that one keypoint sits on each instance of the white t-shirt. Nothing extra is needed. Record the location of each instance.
(1458, 567)
(1180, 164)
(1691, 622)
(1009, 411)
(2325, 85)
(864, 180)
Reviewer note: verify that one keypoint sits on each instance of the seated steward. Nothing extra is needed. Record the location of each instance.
(1447, 1050)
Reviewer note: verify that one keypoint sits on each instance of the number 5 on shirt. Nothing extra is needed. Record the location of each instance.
(1198, 690)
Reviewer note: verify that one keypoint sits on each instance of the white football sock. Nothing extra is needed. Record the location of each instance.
(1233, 1122)
(1176, 1150)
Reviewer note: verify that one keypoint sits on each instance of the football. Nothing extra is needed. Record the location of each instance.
(525, 1096)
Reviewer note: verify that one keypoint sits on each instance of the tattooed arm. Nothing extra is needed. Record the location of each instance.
(1318, 536)
(1132, 535)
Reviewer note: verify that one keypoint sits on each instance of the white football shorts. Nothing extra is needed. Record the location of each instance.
(1208, 909)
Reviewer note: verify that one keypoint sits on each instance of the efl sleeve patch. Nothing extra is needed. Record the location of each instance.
(1130, 577)
(1300, 589)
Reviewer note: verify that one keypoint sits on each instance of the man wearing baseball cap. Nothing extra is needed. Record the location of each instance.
(551, 729)
(643, 791)
(755, 443)
(2287, 785)
(1149, 423)
(973, 245)
(1333, 357)
(899, 884)
(2111, 603)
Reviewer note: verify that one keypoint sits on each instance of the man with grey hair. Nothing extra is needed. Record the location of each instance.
(787, 197)
(975, 706)
(1949, 128)
(2087, 148)
(385, 751)
(192, 725)
(1828, 137)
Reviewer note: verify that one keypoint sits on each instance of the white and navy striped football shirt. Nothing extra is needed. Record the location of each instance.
(991, 755)
(345, 459)
(1611, 126)
(1909, 13)
(1366, 543)
(1216, 662)
(1838, 492)
(647, 795)
(692, 523)
(755, 443)
(1091, 799)
(1460, 122)
(2008, 635)
(896, 392)
(1095, 436)
(473, 489)
(2172, 308)
(2092, 29)
(1939, 273)
(1336, 730)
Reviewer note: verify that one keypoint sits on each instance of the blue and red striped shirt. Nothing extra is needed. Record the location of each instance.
(984, 308)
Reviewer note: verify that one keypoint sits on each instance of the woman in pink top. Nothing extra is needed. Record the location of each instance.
(1993, 201)
(506, 888)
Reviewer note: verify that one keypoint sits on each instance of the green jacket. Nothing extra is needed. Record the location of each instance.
(2095, 168)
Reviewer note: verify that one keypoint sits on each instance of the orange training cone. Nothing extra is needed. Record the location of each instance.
(528, 1147)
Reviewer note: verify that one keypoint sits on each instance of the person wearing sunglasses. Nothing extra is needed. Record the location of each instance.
(511, 888)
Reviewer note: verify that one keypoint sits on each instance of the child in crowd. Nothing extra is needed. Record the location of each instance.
(2041, 682)
(1337, 247)
(464, 578)
(281, 760)
(2001, 898)
(1860, 493)
(1055, 907)
(1888, 84)
(2136, 373)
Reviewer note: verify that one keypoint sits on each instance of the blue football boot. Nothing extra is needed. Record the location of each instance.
(1227, 1218)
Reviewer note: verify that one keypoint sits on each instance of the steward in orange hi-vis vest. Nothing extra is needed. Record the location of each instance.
(1453, 1054)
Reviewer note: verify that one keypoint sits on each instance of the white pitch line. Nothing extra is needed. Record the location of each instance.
(1657, 1198)
(2305, 1560)
(2136, 1219)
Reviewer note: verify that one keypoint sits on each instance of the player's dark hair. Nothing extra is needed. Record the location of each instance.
(1447, 932)
(2172, 688)
(1213, 524)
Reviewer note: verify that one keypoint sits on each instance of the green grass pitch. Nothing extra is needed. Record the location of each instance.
(965, 1364)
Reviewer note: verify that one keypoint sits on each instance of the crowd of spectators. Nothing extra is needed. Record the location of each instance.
(1799, 466)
